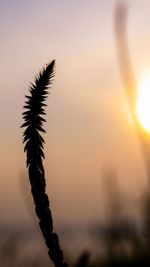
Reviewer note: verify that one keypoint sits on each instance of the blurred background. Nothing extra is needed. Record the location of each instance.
(94, 166)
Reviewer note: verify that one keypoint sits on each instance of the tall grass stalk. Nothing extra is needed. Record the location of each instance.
(33, 140)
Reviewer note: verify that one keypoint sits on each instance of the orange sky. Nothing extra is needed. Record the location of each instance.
(87, 123)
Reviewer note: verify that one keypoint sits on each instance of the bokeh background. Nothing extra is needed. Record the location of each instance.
(88, 125)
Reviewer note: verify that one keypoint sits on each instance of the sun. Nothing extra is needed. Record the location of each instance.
(143, 102)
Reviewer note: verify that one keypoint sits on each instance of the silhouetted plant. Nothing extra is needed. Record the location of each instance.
(33, 117)
(83, 260)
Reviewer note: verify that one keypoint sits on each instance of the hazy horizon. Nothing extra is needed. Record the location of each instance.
(87, 120)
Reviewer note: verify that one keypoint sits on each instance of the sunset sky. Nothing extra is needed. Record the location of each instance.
(88, 127)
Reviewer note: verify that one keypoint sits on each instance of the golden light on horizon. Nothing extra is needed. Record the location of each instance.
(143, 102)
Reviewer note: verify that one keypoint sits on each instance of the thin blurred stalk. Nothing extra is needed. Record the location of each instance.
(124, 59)
(128, 78)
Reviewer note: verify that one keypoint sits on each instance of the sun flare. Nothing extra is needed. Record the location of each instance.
(143, 102)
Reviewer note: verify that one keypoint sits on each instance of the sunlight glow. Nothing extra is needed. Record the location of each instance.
(143, 102)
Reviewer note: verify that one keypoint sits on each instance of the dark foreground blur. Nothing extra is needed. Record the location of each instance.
(120, 241)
